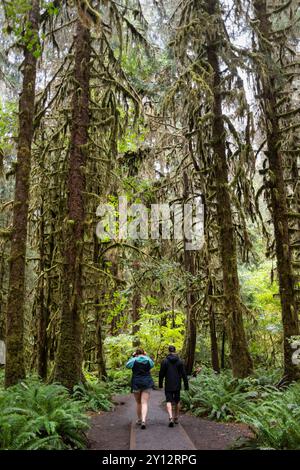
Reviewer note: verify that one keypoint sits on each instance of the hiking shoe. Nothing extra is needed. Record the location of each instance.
(176, 421)
(171, 423)
(143, 425)
(138, 422)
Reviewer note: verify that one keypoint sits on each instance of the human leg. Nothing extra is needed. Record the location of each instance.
(176, 406)
(138, 399)
(176, 412)
(169, 405)
(145, 395)
(170, 409)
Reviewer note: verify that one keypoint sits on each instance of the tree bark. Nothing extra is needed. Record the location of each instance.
(68, 367)
(102, 373)
(269, 80)
(136, 305)
(45, 294)
(191, 298)
(191, 325)
(100, 356)
(2, 272)
(240, 357)
(223, 348)
(213, 335)
(15, 368)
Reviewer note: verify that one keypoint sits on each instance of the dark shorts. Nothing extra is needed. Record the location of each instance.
(142, 390)
(140, 384)
(173, 397)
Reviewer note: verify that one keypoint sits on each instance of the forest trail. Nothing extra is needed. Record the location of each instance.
(117, 430)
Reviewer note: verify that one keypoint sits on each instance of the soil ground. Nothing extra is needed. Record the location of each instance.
(117, 430)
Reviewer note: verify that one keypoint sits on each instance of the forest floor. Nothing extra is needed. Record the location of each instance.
(116, 430)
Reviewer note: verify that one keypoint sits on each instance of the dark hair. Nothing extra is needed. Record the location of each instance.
(172, 349)
(138, 352)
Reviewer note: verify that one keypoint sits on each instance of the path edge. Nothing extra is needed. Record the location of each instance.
(132, 444)
(187, 437)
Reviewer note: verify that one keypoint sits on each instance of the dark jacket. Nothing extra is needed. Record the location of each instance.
(141, 377)
(172, 370)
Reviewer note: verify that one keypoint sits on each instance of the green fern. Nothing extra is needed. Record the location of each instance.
(95, 396)
(272, 414)
(275, 419)
(38, 416)
(221, 397)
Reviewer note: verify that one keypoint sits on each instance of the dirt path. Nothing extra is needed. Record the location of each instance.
(158, 436)
(117, 430)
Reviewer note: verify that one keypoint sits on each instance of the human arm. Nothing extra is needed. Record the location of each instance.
(130, 363)
(184, 377)
(162, 374)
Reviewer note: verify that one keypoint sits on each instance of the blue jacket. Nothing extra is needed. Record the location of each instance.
(141, 377)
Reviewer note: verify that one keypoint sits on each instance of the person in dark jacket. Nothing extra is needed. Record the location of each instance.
(172, 371)
(141, 383)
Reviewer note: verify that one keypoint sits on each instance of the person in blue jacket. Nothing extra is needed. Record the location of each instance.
(141, 383)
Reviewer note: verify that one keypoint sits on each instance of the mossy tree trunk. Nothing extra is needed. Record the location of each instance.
(46, 249)
(213, 334)
(191, 297)
(68, 367)
(211, 287)
(15, 368)
(100, 358)
(2, 273)
(240, 357)
(191, 324)
(269, 82)
(136, 306)
(223, 346)
(99, 333)
(3, 251)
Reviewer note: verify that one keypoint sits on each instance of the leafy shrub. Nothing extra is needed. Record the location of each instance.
(275, 419)
(264, 377)
(91, 376)
(272, 414)
(119, 381)
(155, 335)
(117, 350)
(259, 295)
(218, 397)
(221, 397)
(38, 416)
(95, 396)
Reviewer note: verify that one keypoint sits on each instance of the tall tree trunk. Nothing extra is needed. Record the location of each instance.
(113, 258)
(102, 373)
(211, 304)
(269, 82)
(15, 368)
(173, 313)
(2, 272)
(223, 348)
(240, 357)
(68, 367)
(213, 335)
(191, 298)
(100, 356)
(136, 305)
(191, 324)
(42, 316)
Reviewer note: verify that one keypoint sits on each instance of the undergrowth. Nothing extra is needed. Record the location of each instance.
(272, 414)
(35, 416)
